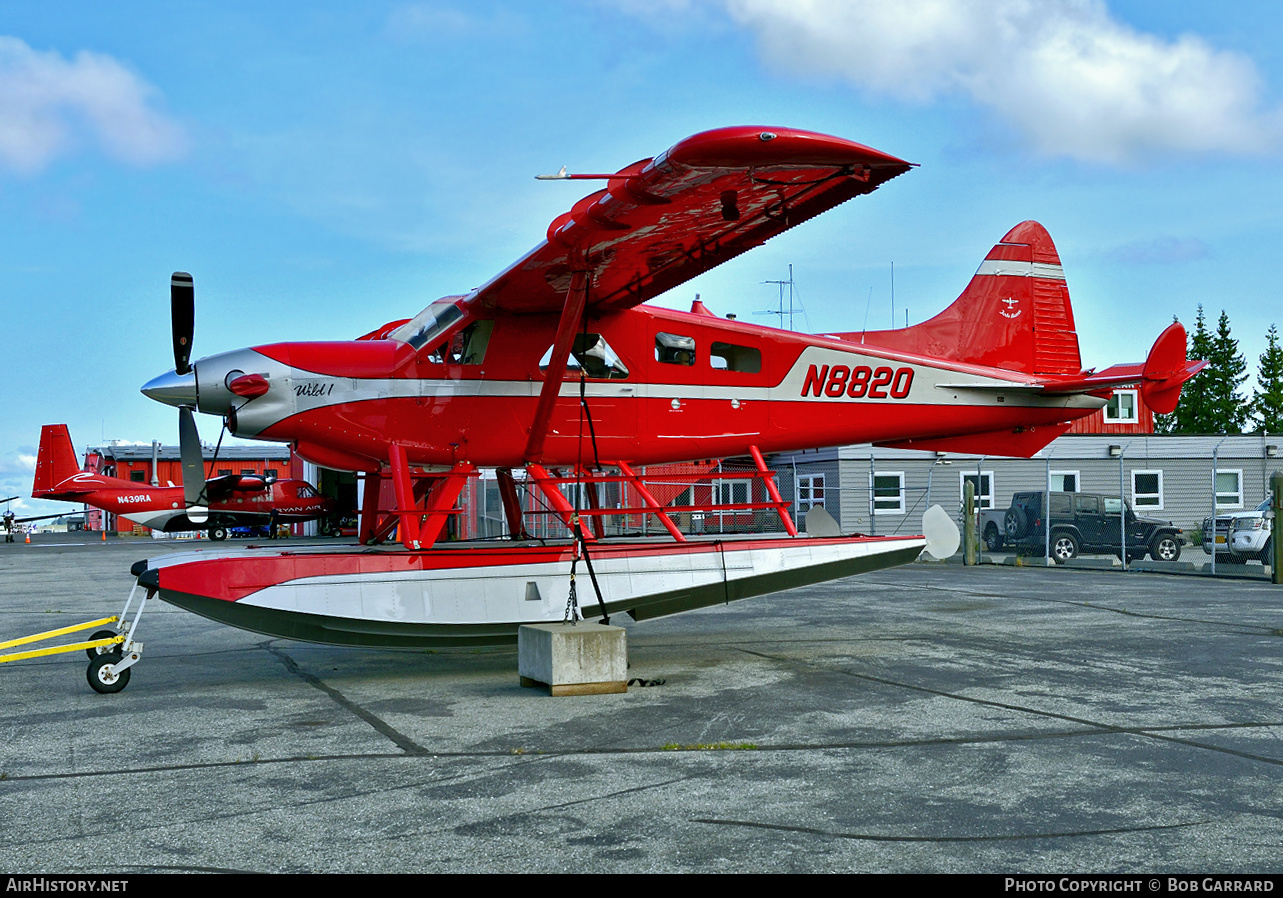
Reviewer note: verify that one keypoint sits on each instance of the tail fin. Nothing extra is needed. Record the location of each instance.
(56, 461)
(1166, 368)
(1015, 313)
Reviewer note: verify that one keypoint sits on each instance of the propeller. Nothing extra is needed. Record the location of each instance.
(182, 312)
(193, 461)
(182, 317)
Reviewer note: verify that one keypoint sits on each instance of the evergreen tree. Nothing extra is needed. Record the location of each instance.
(1228, 373)
(1267, 403)
(1194, 413)
(1212, 402)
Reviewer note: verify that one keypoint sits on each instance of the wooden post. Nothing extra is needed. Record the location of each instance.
(1276, 485)
(969, 523)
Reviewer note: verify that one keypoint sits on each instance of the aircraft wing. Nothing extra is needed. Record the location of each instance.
(43, 517)
(662, 221)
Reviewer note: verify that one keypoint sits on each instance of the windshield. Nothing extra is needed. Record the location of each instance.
(429, 324)
(1265, 503)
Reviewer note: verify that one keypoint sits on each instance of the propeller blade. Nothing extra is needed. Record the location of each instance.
(193, 460)
(182, 315)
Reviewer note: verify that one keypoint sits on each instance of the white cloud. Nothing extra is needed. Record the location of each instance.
(47, 103)
(1070, 78)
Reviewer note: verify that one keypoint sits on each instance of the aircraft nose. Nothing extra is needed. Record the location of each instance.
(173, 389)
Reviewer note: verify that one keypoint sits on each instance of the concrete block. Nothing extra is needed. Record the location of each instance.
(585, 658)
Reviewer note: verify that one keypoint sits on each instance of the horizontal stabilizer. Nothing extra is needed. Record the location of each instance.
(1159, 378)
(219, 488)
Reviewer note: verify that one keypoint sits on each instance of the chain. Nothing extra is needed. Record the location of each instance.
(571, 615)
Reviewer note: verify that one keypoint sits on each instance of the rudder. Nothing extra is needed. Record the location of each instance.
(56, 460)
(1015, 313)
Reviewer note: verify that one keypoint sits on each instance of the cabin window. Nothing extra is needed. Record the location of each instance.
(888, 492)
(729, 357)
(674, 349)
(1122, 408)
(591, 354)
(1147, 489)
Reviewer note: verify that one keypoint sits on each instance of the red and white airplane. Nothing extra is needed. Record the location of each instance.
(233, 500)
(558, 363)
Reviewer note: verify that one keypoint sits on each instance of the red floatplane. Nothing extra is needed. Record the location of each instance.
(230, 500)
(557, 367)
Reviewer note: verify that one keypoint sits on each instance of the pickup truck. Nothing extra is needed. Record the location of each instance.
(1241, 537)
(1081, 523)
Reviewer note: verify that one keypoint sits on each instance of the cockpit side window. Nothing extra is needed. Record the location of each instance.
(467, 347)
(593, 355)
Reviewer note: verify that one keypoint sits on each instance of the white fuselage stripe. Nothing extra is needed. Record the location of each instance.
(1021, 269)
(297, 392)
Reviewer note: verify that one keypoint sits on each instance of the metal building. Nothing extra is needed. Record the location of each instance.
(1178, 478)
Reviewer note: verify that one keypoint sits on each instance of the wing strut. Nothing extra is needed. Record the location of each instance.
(571, 313)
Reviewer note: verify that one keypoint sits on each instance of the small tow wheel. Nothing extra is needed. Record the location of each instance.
(102, 678)
(103, 649)
(217, 533)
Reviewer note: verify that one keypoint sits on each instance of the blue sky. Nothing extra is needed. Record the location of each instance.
(322, 168)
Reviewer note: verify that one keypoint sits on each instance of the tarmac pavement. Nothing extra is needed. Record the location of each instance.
(929, 718)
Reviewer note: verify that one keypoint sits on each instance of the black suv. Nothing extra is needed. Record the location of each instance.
(1087, 523)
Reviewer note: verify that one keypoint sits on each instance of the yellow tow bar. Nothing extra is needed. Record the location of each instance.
(59, 649)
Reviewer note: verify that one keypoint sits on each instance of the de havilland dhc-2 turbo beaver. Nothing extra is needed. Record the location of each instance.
(556, 368)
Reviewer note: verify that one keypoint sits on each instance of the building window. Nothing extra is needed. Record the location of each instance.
(732, 492)
(1064, 481)
(1122, 408)
(810, 492)
(138, 476)
(271, 473)
(1147, 489)
(888, 492)
(983, 481)
(1229, 489)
